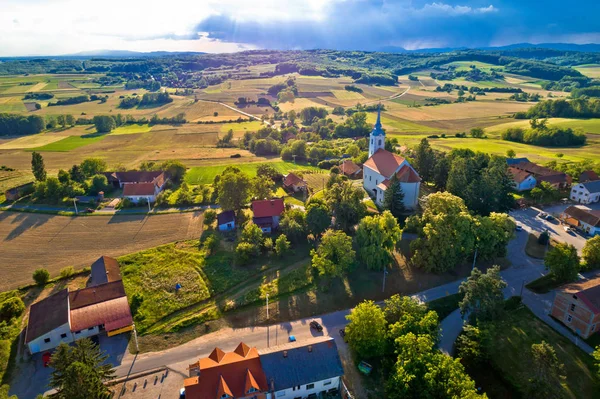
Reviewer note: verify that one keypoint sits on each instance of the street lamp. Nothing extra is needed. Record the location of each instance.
(267, 306)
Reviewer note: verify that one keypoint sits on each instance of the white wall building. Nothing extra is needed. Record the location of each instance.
(586, 193)
(382, 166)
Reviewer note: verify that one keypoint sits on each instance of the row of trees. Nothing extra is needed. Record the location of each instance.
(107, 123)
(148, 99)
(543, 135)
(18, 125)
(577, 108)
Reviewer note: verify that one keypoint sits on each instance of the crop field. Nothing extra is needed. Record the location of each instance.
(393, 124)
(12, 105)
(206, 174)
(590, 126)
(347, 95)
(301, 103)
(70, 143)
(590, 70)
(466, 65)
(33, 141)
(54, 242)
(132, 129)
(241, 128)
(13, 179)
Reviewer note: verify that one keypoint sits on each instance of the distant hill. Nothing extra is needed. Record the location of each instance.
(589, 48)
(127, 53)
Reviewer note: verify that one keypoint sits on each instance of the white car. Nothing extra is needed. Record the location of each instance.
(567, 229)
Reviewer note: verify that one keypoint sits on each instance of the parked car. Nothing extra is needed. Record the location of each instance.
(549, 217)
(567, 229)
(315, 324)
(182, 393)
(518, 227)
(292, 338)
(542, 215)
(46, 359)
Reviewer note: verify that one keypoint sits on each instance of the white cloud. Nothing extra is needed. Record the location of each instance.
(449, 10)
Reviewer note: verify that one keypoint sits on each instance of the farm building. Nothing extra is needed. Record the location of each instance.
(514, 161)
(522, 180)
(139, 185)
(382, 165)
(293, 370)
(588, 175)
(267, 213)
(226, 220)
(555, 178)
(350, 169)
(15, 193)
(587, 192)
(577, 305)
(583, 219)
(293, 182)
(70, 315)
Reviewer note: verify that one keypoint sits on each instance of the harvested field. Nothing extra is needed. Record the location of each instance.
(12, 105)
(54, 242)
(299, 104)
(30, 107)
(347, 95)
(65, 85)
(33, 141)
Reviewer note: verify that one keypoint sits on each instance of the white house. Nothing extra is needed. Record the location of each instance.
(382, 165)
(522, 180)
(226, 220)
(585, 220)
(139, 185)
(586, 193)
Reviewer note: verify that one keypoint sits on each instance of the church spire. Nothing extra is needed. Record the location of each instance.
(377, 137)
(378, 123)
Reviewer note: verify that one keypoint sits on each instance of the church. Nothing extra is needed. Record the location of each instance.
(382, 165)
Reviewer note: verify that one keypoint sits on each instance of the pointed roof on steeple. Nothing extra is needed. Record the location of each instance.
(377, 129)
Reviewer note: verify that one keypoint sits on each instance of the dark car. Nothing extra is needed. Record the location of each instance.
(315, 324)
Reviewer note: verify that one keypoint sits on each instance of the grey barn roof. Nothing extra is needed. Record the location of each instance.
(301, 366)
(592, 186)
(47, 314)
(105, 270)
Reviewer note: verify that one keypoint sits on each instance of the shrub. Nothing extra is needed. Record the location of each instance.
(209, 217)
(41, 276)
(268, 244)
(544, 238)
(211, 243)
(136, 302)
(67, 272)
(12, 307)
(282, 245)
(246, 251)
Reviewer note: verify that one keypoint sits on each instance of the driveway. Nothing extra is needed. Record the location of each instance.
(532, 223)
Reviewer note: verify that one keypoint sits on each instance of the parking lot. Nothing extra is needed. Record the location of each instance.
(528, 218)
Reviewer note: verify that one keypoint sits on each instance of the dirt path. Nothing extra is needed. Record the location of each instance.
(30, 241)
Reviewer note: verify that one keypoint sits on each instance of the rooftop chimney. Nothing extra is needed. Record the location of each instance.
(309, 348)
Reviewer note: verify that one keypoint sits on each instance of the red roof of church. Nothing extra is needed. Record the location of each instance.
(406, 174)
(384, 162)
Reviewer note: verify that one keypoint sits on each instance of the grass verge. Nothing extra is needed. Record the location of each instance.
(446, 305)
(544, 284)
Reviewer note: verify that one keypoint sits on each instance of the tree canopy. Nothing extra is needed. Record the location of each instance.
(376, 238)
(334, 256)
(563, 262)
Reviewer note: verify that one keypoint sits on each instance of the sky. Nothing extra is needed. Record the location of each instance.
(57, 27)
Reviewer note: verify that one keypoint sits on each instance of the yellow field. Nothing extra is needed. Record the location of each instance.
(34, 141)
(347, 95)
(299, 104)
(37, 87)
(590, 70)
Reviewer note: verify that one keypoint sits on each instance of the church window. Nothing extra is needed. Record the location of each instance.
(370, 178)
(371, 141)
(379, 142)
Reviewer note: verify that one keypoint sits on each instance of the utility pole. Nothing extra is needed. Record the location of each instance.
(137, 348)
(149, 210)
(267, 306)
(385, 272)
(475, 258)
(75, 204)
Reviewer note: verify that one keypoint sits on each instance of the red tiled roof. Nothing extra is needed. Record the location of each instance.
(349, 168)
(233, 374)
(588, 175)
(138, 189)
(135, 176)
(384, 185)
(542, 173)
(590, 217)
(293, 180)
(384, 162)
(587, 290)
(92, 295)
(113, 314)
(406, 174)
(518, 175)
(268, 208)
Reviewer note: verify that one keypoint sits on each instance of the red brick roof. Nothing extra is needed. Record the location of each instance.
(587, 290)
(293, 180)
(349, 168)
(92, 295)
(406, 174)
(268, 208)
(113, 314)
(138, 189)
(588, 175)
(384, 162)
(518, 175)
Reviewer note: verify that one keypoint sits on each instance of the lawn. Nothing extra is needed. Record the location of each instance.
(70, 143)
(131, 129)
(587, 125)
(446, 305)
(512, 337)
(544, 284)
(535, 250)
(206, 174)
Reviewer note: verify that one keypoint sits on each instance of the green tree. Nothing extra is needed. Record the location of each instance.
(64, 177)
(334, 256)
(104, 123)
(293, 224)
(547, 372)
(37, 166)
(441, 171)
(76, 174)
(407, 315)
(366, 330)
(591, 253)
(12, 307)
(346, 204)
(80, 370)
(563, 262)
(318, 218)
(209, 217)
(511, 153)
(469, 345)
(424, 160)
(376, 238)
(4, 393)
(245, 251)
(393, 198)
(267, 171)
(175, 169)
(596, 355)
(262, 188)
(41, 276)
(233, 188)
(445, 234)
(477, 132)
(282, 245)
(252, 234)
(482, 293)
(70, 120)
(493, 234)
(99, 183)
(93, 166)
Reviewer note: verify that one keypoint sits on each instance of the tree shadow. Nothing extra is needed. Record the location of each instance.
(24, 221)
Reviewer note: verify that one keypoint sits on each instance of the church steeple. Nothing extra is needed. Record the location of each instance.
(377, 136)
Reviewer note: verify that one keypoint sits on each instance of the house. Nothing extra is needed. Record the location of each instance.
(513, 161)
(15, 193)
(294, 370)
(350, 169)
(293, 182)
(139, 185)
(586, 192)
(66, 316)
(287, 136)
(588, 175)
(555, 178)
(303, 370)
(577, 305)
(382, 165)
(522, 180)
(584, 219)
(226, 220)
(227, 375)
(267, 213)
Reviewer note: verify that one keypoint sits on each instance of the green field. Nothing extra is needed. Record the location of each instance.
(591, 70)
(12, 105)
(587, 125)
(466, 65)
(251, 126)
(347, 95)
(131, 129)
(70, 143)
(206, 174)
(399, 125)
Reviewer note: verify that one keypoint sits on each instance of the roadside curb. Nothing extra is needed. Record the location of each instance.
(137, 375)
